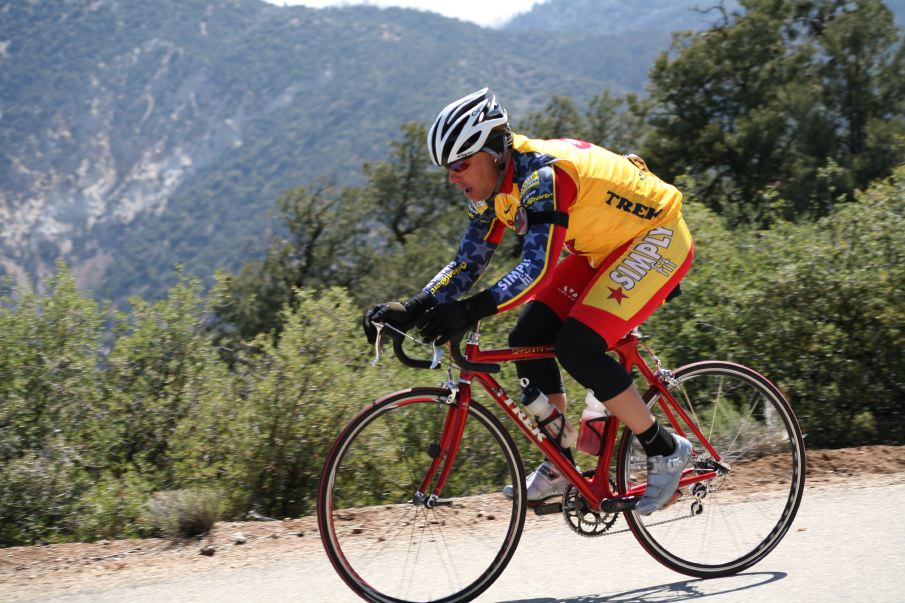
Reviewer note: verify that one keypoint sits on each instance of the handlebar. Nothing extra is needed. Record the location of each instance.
(455, 342)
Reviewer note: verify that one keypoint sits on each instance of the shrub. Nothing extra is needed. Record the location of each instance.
(114, 507)
(183, 513)
(39, 495)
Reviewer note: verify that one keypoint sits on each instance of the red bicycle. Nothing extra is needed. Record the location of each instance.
(410, 505)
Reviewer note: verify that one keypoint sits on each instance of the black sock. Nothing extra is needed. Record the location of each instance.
(656, 441)
(568, 454)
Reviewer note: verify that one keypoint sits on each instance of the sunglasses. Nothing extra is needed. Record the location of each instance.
(459, 166)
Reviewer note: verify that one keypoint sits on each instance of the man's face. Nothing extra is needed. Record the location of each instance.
(476, 175)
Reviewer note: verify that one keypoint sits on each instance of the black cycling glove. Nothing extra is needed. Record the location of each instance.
(447, 319)
(401, 315)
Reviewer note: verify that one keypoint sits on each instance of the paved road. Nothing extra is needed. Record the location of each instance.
(846, 544)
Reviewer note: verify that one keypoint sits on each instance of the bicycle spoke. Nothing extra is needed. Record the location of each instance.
(741, 514)
(403, 549)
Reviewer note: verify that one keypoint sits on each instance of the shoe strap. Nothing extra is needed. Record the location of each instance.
(548, 471)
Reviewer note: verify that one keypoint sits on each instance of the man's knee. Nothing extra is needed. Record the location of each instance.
(538, 325)
(582, 352)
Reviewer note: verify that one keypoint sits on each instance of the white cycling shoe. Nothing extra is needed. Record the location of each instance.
(543, 483)
(663, 475)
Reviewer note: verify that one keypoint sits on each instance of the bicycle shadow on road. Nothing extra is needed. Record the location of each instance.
(674, 591)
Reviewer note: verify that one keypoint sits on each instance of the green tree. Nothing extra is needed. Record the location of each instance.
(370, 240)
(49, 352)
(40, 494)
(50, 344)
(322, 241)
(154, 378)
(816, 306)
(301, 391)
(416, 219)
(616, 123)
(558, 119)
(783, 108)
(861, 68)
(154, 375)
(409, 193)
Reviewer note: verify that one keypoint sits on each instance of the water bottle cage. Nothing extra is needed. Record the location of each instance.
(562, 427)
(598, 426)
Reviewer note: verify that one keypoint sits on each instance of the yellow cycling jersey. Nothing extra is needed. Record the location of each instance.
(617, 198)
(603, 200)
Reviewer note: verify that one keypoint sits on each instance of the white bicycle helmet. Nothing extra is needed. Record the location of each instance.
(463, 126)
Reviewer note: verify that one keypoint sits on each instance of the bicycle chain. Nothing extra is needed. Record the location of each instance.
(608, 520)
(647, 525)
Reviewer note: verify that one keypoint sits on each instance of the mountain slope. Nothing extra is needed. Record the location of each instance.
(134, 136)
(614, 16)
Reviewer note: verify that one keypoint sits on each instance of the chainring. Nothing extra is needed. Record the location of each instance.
(580, 517)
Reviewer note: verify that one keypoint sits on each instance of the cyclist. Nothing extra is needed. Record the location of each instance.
(628, 249)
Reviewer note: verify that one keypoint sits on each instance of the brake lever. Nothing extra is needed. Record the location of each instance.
(436, 356)
(436, 352)
(379, 327)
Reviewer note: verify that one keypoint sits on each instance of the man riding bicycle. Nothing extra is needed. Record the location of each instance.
(628, 249)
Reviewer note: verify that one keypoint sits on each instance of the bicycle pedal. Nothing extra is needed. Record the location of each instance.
(547, 508)
(618, 505)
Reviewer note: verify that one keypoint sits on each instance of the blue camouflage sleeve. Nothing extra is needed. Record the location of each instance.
(542, 244)
(481, 238)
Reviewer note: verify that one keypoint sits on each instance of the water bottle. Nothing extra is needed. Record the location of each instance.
(593, 424)
(555, 424)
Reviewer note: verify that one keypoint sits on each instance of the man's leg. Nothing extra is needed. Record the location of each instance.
(582, 352)
(628, 286)
(539, 324)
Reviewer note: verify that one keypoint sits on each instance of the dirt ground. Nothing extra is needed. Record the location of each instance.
(28, 572)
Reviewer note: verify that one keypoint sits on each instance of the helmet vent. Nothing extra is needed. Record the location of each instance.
(463, 127)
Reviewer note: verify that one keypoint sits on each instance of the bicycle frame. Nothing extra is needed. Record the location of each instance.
(596, 489)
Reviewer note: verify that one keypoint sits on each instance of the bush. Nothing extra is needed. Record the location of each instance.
(301, 393)
(39, 496)
(817, 307)
(114, 507)
(183, 513)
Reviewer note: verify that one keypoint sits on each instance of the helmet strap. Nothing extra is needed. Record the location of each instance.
(501, 161)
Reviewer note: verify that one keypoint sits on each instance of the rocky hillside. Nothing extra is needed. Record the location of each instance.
(659, 16)
(135, 135)
(138, 135)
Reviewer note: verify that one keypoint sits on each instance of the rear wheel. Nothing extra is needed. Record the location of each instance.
(726, 524)
(389, 547)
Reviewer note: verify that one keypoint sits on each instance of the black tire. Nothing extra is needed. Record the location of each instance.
(388, 548)
(727, 524)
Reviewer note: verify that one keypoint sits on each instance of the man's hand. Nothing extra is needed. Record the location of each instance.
(393, 313)
(401, 315)
(447, 319)
(444, 321)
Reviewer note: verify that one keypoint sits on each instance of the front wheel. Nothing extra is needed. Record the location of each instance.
(726, 524)
(388, 546)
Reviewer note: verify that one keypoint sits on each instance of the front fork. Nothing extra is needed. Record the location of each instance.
(443, 453)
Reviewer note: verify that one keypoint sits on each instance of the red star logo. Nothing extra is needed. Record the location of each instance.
(617, 294)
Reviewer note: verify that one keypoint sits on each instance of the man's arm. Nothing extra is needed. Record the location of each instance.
(481, 238)
(546, 208)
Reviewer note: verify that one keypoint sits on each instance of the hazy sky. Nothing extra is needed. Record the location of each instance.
(488, 13)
